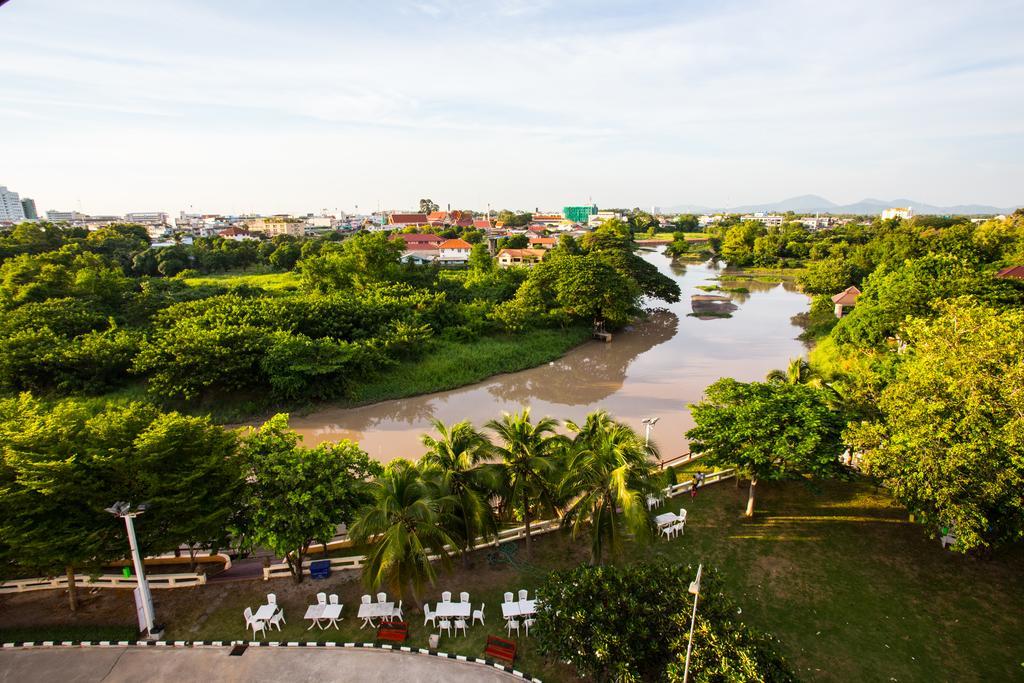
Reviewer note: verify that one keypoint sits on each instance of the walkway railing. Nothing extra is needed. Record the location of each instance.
(182, 580)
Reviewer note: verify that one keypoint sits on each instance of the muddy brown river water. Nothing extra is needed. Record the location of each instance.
(653, 369)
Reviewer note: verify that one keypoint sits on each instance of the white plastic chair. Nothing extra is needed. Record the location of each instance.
(508, 597)
(429, 616)
(463, 596)
(446, 625)
(366, 599)
(396, 612)
(512, 625)
(382, 597)
(679, 527)
(334, 598)
(247, 613)
(528, 623)
(479, 614)
(277, 619)
(446, 596)
(271, 599)
(259, 625)
(461, 623)
(523, 593)
(321, 598)
(682, 515)
(668, 531)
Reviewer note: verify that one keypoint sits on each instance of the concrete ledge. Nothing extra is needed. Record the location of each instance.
(142, 644)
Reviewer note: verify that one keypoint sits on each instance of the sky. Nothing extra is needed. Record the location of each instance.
(111, 106)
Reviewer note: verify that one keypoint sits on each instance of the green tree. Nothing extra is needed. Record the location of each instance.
(829, 276)
(480, 259)
(608, 473)
(632, 623)
(457, 457)
(769, 430)
(295, 495)
(950, 440)
(528, 468)
(428, 206)
(404, 523)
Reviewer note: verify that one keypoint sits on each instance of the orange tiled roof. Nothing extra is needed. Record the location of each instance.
(455, 244)
(847, 297)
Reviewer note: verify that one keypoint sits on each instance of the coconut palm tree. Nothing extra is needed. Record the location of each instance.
(456, 462)
(529, 464)
(797, 372)
(403, 525)
(608, 474)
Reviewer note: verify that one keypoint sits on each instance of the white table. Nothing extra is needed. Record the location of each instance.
(666, 519)
(265, 612)
(454, 609)
(519, 608)
(331, 613)
(375, 610)
(315, 613)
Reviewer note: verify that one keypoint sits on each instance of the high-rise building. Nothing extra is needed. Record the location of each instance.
(10, 206)
(28, 207)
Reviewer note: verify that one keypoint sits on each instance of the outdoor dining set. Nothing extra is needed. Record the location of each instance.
(670, 524)
(445, 616)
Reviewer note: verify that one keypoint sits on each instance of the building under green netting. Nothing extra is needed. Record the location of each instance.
(578, 214)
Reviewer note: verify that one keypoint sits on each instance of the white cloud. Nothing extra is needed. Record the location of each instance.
(514, 102)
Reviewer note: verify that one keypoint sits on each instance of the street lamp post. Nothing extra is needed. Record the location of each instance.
(650, 422)
(695, 591)
(123, 510)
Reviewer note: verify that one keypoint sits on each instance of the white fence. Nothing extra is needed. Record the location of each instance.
(182, 580)
(281, 569)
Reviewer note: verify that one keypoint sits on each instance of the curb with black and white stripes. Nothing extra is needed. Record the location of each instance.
(259, 643)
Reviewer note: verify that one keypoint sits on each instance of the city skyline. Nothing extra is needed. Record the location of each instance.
(118, 107)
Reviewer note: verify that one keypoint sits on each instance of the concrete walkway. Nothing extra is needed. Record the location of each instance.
(275, 665)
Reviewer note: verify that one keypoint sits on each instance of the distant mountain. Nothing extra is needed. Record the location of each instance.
(810, 203)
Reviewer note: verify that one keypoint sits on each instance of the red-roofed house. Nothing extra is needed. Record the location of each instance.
(236, 234)
(407, 220)
(543, 242)
(437, 217)
(454, 252)
(416, 241)
(482, 224)
(1015, 272)
(846, 298)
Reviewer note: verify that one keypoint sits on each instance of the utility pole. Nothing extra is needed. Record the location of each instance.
(123, 510)
(695, 591)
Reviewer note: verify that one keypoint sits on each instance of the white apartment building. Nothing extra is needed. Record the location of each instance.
(156, 218)
(10, 206)
(66, 216)
(770, 220)
(707, 220)
(903, 212)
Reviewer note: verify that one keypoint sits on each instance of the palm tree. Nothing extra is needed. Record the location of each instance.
(528, 463)
(456, 462)
(403, 524)
(608, 474)
(797, 372)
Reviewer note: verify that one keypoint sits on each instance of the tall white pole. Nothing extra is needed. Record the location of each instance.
(695, 589)
(647, 436)
(140, 573)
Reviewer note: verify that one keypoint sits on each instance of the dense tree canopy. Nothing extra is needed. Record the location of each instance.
(950, 439)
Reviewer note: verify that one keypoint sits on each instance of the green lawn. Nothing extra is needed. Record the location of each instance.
(854, 591)
(670, 236)
(268, 281)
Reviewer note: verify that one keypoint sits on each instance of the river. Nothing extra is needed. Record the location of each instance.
(652, 369)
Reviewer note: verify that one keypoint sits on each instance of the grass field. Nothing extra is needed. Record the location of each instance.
(854, 591)
(268, 281)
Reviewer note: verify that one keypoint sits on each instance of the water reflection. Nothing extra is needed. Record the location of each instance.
(655, 369)
(593, 376)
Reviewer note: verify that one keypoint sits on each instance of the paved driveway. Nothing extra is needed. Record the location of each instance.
(68, 665)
